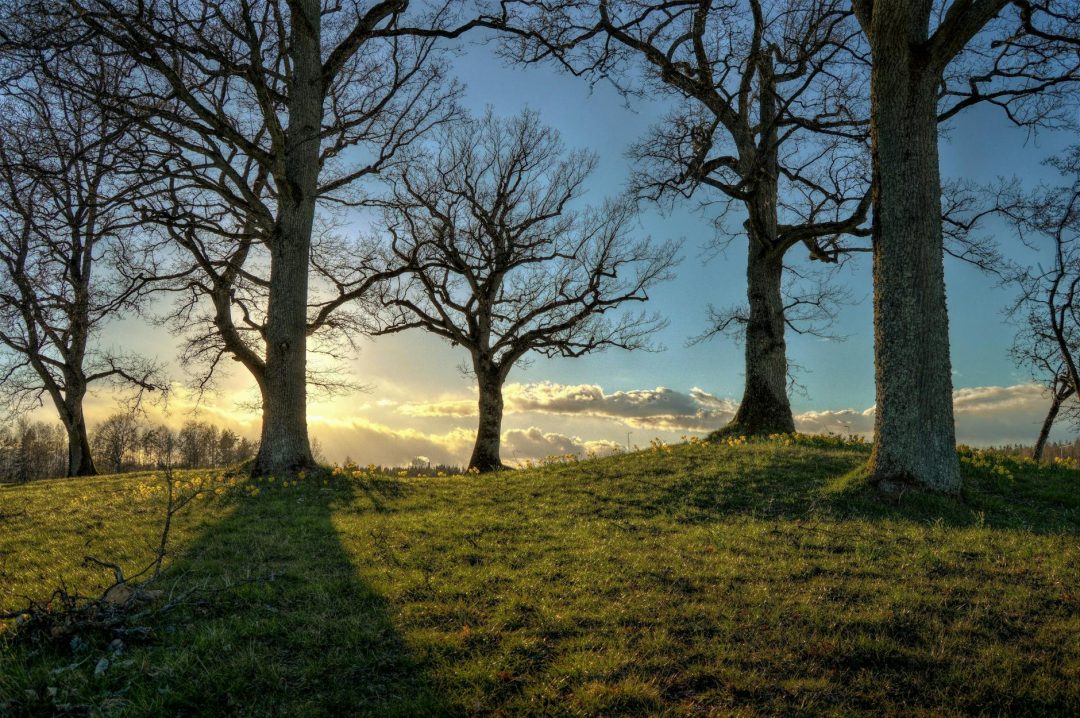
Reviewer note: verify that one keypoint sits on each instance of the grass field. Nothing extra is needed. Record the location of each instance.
(695, 580)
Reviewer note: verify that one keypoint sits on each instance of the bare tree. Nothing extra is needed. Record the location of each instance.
(114, 440)
(770, 119)
(931, 60)
(270, 107)
(68, 178)
(501, 263)
(1048, 306)
(32, 450)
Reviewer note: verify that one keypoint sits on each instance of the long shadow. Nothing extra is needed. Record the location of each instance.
(786, 486)
(283, 625)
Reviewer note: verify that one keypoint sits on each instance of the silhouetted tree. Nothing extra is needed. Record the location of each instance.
(270, 107)
(1048, 306)
(157, 447)
(32, 450)
(114, 439)
(68, 179)
(226, 447)
(502, 264)
(770, 113)
(197, 445)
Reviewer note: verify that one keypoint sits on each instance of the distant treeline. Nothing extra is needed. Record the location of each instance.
(32, 450)
(418, 467)
(38, 450)
(1053, 450)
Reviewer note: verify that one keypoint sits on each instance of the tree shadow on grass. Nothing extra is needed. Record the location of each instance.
(377, 490)
(787, 484)
(286, 627)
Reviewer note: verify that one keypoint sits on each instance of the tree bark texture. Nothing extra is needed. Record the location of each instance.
(914, 434)
(284, 445)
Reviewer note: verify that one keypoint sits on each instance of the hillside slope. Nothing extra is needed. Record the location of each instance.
(691, 580)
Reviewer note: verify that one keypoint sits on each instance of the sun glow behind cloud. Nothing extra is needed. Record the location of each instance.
(547, 418)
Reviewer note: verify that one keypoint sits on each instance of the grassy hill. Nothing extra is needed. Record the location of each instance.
(692, 580)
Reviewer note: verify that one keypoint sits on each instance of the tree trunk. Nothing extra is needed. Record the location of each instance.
(1044, 432)
(1058, 399)
(69, 405)
(765, 408)
(284, 445)
(80, 460)
(914, 434)
(485, 455)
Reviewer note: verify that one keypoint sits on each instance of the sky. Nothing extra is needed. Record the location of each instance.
(418, 403)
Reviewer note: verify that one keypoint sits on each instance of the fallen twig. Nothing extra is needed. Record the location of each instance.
(66, 614)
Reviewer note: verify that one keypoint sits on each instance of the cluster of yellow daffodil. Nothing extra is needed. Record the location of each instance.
(657, 446)
(556, 459)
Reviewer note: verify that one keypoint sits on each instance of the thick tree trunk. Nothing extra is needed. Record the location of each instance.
(284, 445)
(914, 435)
(80, 460)
(69, 405)
(485, 455)
(765, 408)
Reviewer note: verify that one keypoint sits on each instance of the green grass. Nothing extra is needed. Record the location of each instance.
(696, 580)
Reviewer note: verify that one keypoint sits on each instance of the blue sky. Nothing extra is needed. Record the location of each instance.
(420, 404)
(980, 145)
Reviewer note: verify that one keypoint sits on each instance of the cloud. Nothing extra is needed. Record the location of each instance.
(994, 415)
(369, 442)
(377, 432)
(181, 404)
(535, 443)
(843, 421)
(449, 407)
(660, 409)
(985, 415)
(994, 399)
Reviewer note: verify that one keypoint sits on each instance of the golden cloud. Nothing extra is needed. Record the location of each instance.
(369, 432)
(660, 409)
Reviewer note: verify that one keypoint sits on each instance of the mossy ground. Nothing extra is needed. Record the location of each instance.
(759, 578)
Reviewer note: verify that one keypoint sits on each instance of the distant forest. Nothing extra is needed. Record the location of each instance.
(1053, 450)
(32, 450)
